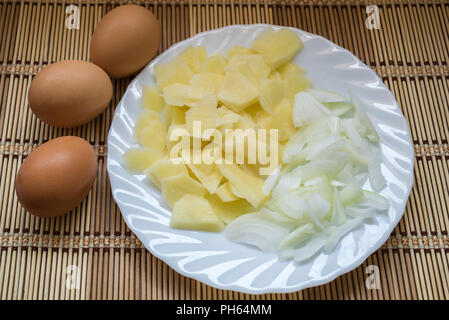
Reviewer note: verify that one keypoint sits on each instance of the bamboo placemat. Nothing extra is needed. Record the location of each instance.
(409, 52)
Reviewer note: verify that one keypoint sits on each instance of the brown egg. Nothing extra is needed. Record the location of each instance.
(69, 93)
(57, 176)
(125, 40)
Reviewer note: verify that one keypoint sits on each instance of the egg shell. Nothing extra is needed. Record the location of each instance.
(125, 40)
(56, 176)
(69, 93)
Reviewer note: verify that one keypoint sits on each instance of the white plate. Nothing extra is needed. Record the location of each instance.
(210, 257)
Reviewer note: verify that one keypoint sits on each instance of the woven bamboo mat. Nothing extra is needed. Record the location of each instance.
(409, 52)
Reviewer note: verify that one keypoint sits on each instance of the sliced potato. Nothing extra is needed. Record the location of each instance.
(215, 63)
(294, 83)
(175, 115)
(278, 47)
(271, 94)
(152, 99)
(247, 185)
(178, 94)
(255, 61)
(290, 67)
(224, 192)
(175, 71)
(139, 159)
(228, 211)
(238, 50)
(204, 114)
(193, 212)
(238, 91)
(281, 120)
(144, 120)
(164, 168)
(154, 135)
(175, 187)
(208, 174)
(205, 83)
(194, 56)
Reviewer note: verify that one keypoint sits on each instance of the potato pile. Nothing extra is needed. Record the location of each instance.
(250, 88)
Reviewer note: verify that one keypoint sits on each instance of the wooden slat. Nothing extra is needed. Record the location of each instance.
(410, 54)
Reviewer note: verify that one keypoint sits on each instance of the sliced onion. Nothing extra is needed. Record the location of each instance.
(339, 232)
(297, 236)
(338, 215)
(325, 96)
(339, 108)
(375, 175)
(271, 181)
(257, 230)
(361, 114)
(357, 212)
(351, 194)
(309, 249)
(307, 109)
(375, 200)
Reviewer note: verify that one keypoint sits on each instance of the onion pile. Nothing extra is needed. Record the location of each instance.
(320, 192)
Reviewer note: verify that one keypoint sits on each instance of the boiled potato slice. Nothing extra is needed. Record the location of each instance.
(255, 61)
(254, 109)
(224, 192)
(281, 119)
(294, 83)
(175, 71)
(271, 94)
(152, 99)
(205, 83)
(175, 187)
(245, 122)
(228, 117)
(235, 192)
(209, 101)
(253, 169)
(178, 115)
(258, 114)
(178, 94)
(205, 113)
(237, 92)
(239, 50)
(154, 135)
(192, 212)
(208, 174)
(174, 115)
(167, 114)
(164, 168)
(139, 159)
(247, 185)
(275, 75)
(228, 211)
(290, 67)
(245, 70)
(278, 47)
(194, 56)
(215, 63)
(144, 120)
